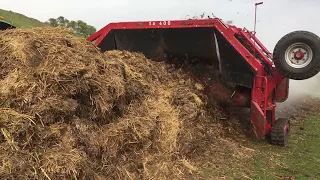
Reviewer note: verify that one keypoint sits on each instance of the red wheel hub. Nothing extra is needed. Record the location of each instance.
(298, 55)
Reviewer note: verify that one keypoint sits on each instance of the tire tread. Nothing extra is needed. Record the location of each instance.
(277, 134)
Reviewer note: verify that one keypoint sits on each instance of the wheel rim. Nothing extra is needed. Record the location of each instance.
(298, 55)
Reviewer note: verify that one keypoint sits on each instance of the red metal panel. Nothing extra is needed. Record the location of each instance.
(260, 104)
(102, 36)
(282, 91)
(258, 119)
(98, 33)
(274, 80)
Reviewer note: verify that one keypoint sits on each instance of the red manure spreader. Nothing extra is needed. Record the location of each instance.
(258, 78)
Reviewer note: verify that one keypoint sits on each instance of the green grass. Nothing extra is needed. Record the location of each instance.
(300, 160)
(19, 20)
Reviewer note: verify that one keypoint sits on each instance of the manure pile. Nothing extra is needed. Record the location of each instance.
(69, 111)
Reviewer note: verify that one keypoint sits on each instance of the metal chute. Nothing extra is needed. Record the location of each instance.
(201, 45)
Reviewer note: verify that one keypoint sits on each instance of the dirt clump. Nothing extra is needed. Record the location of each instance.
(69, 111)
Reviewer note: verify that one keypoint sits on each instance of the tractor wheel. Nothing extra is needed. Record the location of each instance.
(280, 132)
(297, 55)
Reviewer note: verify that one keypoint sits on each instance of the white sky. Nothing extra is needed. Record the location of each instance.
(276, 17)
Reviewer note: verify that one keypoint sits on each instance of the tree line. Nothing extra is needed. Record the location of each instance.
(79, 27)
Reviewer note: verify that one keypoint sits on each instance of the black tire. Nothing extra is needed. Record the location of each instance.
(279, 55)
(280, 132)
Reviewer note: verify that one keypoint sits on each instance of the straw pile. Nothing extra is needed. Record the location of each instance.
(71, 112)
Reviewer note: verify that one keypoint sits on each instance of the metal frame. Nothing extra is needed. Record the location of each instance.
(265, 89)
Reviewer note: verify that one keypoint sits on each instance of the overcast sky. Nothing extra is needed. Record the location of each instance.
(276, 17)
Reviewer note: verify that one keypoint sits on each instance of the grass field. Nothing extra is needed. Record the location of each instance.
(20, 20)
(300, 160)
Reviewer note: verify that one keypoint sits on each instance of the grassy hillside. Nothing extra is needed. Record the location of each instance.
(20, 20)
